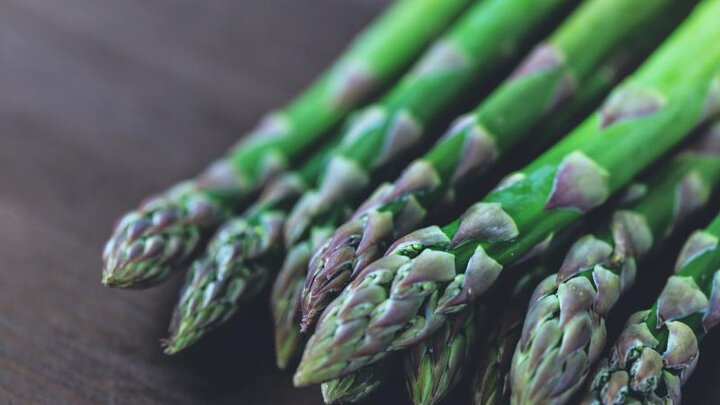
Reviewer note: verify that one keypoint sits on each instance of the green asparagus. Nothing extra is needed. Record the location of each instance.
(356, 386)
(429, 274)
(658, 350)
(434, 367)
(556, 71)
(221, 279)
(284, 300)
(491, 384)
(468, 53)
(487, 36)
(564, 331)
(149, 243)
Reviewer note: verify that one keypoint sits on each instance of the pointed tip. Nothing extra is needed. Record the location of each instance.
(306, 375)
(110, 280)
(172, 345)
(115, 276)
(171, 350)
(284, 356)
(286, 350)
(300, 380)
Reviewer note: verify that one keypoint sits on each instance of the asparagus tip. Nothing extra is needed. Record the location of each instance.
(111, 279)
(308, 320)
(173, 345)
(300, 379)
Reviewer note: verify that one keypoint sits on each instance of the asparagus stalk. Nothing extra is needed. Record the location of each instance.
(469, 52)
(431, 273)
(490, 33)
(491, 384)
(149, 243)
(219, 281)
(658, 350)
(433, 368)
(284, 300)
(357, 386)
(555, 72)
(564, 331)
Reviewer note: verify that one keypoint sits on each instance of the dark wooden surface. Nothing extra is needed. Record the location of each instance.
(101, 103)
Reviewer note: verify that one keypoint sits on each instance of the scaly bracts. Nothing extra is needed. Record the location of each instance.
(658, 349)
(149, 243)
(467, 54)
(434, 367)
(564, 331)
(491, 385)
(559, 70)
(427, 275)
(356, 386)
(240, 258)
(285, 299)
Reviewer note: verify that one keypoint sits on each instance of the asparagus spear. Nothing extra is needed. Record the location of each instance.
(149, 243)
(564, 331)
(229, 262)
(547, 78)
(490, 33)
(490, 384)
(357, 386)
(433, 368)
(426, 275)
(467, 53)
(219, 281)
(284, 300)
(658, 350)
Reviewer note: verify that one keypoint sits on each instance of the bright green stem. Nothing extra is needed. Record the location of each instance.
(506, 119)
(376, 57)
(651, 112)
(489, 32)
(472, 52)
(428, 274)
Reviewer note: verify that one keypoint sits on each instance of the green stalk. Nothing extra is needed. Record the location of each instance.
(149, 243)
(658, 350)
(554, 74)
(434, 272)
(468, 53)
(564, 331)
(474, 50)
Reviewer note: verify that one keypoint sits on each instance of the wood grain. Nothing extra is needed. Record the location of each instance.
(101, 103)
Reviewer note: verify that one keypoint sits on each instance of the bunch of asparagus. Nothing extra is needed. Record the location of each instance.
(599, 118)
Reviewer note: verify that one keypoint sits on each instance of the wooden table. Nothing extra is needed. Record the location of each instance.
(101, 103)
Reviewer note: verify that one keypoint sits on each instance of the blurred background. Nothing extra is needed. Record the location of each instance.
(103, 102)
